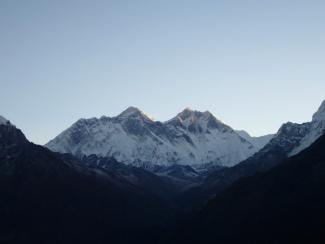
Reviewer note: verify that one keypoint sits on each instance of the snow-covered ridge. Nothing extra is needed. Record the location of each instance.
(316, 129)
(190, 138)
(294, 137)
(258, 141)
(196, 120)
(320, 114)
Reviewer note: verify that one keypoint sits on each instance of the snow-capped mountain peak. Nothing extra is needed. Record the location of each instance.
(196, 121)
(292, 138)
(320, 114)
(316, 128)
(133, 112)
(193, 114)
(132, 137)
(187, 109)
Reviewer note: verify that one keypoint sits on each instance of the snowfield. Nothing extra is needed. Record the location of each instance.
(190, 138)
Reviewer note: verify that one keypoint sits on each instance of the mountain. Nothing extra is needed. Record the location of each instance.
(191, 138)
(3, 121)
(316, 128)
(52, 198)
(283, 205)
(144, 179)
(181, 177)
(83, 193)
(290, 139)
(258, 141)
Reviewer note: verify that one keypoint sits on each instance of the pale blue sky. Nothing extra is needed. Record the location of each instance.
(254, 64)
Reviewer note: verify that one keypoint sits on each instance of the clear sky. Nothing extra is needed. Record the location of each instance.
(253, 64)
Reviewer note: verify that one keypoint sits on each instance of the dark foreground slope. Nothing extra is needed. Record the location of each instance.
(283, 205)
(44, 199)
(277, 150)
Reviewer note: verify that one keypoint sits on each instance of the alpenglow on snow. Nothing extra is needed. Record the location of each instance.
(190, 138)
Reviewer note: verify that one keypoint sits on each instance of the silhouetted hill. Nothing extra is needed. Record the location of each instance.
(45, 199)
(283, 205)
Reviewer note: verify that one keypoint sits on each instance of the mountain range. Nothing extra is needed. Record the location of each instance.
(290, 139)
(191, 138)
(189, 179)
(283, 205)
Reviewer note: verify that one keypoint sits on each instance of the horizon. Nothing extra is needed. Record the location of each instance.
(251, 64)
(163, 121)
